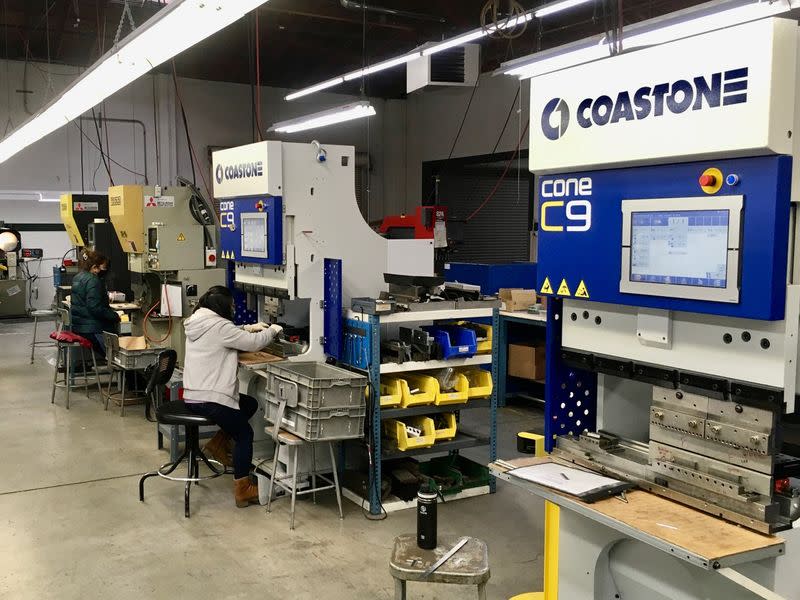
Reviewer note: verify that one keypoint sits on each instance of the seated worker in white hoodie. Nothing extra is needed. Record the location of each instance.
(211, 385)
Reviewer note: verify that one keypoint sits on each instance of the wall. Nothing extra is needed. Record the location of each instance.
(434, 116)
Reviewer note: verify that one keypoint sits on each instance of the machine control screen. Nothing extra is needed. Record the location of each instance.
(680, 247)
(254, 235)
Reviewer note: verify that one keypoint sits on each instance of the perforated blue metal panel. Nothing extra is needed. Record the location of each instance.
(570, 394)
(332, 311)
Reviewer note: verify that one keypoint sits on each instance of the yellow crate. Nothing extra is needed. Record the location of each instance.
(391, 392)
(395, 430)
(480, 383)
(448, 432)
(427, 389)
(459, 396)
(485, 346)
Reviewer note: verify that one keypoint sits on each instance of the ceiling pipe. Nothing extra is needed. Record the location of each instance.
(391, 11)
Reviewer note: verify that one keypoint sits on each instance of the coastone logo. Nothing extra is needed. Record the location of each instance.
(721, 89)
(240, 171)
(555, 129)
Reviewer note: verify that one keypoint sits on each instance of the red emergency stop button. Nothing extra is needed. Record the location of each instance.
(711, 180)
(212, 258)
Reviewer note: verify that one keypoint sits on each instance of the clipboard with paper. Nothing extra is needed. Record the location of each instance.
(584, 485)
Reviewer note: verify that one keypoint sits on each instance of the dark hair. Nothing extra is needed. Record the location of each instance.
(218, 299)
(90, 258)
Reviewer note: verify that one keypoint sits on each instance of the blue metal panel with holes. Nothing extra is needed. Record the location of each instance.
(264, 214)
(242, 315)
(332, 309)
(571, 251)
(570, 394)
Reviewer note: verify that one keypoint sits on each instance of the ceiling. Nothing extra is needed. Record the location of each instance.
(301, 41)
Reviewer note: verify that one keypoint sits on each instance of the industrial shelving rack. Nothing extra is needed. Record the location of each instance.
(374, 369)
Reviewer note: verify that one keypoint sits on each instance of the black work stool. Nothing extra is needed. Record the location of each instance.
(177, 413)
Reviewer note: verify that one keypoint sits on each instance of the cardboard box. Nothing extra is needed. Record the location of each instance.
(133, 342)
(526, 361)
(517, 298)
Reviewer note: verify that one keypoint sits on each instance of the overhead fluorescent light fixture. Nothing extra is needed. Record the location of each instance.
(557, 7)
(460, 40)
(477, 34)
(381, 66)
(703, 18)
(340, 114)
(315, 88)
(178, 26)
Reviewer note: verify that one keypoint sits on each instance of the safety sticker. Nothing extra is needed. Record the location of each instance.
(181, 237)
(582, 292)
(563, 289)
(547, 288)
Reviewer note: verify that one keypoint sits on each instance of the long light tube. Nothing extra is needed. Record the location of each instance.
(340, 114)
(460, 40)
(701, 19)
(178, 26)
(557, 7)
(381, 66)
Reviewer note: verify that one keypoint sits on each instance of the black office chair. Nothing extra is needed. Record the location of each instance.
(177, 413)
(157, 376)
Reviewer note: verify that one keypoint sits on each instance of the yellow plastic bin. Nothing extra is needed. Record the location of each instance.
(459, 396)
(445, 426)
(391, 392)
(480, 383)
(418, 390)
(397, 431)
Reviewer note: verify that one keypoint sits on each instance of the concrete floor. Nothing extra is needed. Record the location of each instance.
(71, 525)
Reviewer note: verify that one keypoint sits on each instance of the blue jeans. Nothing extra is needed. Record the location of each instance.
(98, 342)
(236, 423)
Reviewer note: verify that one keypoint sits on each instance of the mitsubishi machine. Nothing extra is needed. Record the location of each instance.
(88, 225)
(668, 185)
(290, 221)
(169, 236)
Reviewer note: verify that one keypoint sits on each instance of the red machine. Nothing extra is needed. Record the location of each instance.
(428, 222)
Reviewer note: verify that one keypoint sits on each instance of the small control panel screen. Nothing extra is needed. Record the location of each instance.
(254, 235)
(688, 247)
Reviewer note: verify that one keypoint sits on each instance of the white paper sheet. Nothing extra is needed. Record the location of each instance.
(171, 301)
(564, 479)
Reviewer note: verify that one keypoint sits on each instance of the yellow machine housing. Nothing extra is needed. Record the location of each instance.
(68, 218)
(126, 209)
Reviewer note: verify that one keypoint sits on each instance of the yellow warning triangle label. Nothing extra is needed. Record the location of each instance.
(224, 255)
(546, 287)
(181, 237)
(582, 292)
(563, 289)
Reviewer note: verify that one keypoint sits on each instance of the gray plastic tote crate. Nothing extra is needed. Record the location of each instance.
(319, 425)
(318, 385)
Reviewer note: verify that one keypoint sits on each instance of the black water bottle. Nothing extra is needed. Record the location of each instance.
(426, 519)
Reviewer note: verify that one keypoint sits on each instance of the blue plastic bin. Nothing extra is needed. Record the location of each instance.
(492, 277)
(454, 341)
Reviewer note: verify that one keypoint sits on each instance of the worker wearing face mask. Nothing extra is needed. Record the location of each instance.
(89, 306)
(211, 385)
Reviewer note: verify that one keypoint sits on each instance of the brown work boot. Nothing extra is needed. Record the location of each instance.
(219, 448)
(245, 492)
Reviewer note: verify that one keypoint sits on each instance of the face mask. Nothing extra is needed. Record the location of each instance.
(102, 273)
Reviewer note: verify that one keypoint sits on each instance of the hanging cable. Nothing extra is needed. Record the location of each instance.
(496, 24)
(102, 152)
(502, 177)
(100, 142)
(258, 79)
(193, 156)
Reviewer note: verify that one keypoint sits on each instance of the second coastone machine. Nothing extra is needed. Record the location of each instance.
(668, 243)
(290, 221)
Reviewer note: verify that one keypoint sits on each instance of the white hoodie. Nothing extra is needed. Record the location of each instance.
(211, 364)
